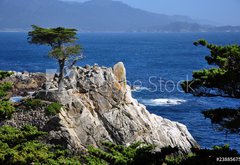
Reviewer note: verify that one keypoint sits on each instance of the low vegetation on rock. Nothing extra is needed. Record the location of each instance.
(137, 153)
(140, 153)
(4, 74)
(214, 156)
(32, 103)
(6, 107)
(4, 88)
(6, 110)
(53, 109)
(27, 146)
(22, 146)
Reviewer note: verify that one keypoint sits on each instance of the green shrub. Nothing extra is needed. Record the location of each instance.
(53, 109)
(32, 103)
(4, 87)
(137, 153)
(21, 146)
(2, 94)
(4, 74)
(6, 109)
(210, 156)
(140, 153)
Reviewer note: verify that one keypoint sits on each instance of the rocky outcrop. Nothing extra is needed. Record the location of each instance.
(25, 82)
(98, 106)
(31, 116)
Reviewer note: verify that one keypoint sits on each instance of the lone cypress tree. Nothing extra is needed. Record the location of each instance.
(61, 41)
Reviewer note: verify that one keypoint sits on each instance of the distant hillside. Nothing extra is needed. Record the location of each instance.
(94, 15)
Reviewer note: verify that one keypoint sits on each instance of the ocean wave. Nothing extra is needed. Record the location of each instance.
(162, 102)
(139, 88)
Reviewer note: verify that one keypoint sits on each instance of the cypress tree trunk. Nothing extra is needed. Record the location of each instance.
(61, 74)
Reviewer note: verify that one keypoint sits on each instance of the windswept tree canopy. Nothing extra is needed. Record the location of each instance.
(54, 37)
(225, 57)
(224, 75)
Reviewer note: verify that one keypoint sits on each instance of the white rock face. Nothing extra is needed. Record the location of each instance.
(100, 107)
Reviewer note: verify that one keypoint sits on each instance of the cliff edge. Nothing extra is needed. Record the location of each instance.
(98, 106)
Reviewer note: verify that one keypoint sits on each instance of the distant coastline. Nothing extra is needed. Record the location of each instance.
(223, 29)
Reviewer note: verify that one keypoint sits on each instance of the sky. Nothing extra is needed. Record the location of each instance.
(222, 12)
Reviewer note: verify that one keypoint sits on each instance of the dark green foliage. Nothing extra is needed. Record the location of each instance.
(4, 74)
(64, 52)
(209, 156)
(93, 160)
(24, 146)
(13, 136)
(227, 74)
(31, 103)
(4, 88)
(53, 109)
(137, 153)
(21, 146)
(225, 57)
(227, 118)
(214, 77)
(200, 42)
(6, 110)
(53, 37)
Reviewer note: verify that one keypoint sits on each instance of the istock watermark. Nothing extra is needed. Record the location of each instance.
(152, 84)
(159, 84)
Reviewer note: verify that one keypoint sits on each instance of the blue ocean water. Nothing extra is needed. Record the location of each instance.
(155, 61)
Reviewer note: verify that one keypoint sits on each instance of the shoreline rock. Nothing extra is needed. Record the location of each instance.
(24, 82)
(98, 106)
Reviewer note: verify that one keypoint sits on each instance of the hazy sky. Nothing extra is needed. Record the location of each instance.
(218, 11)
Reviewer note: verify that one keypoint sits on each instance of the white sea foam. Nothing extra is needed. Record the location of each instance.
(139, 88)
(162, 102)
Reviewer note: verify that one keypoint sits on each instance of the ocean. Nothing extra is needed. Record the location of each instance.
(155, 62)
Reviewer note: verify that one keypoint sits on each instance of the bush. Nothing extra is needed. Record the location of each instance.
(6, 109)
(32, 103)
(53, 109)
(137, 153)
(140, 153)
(210, 156)
(4, 87)
(21, 146)
(4, 74)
